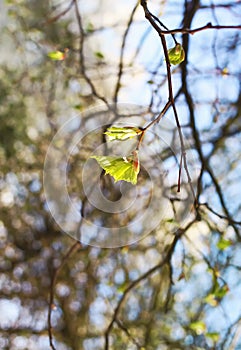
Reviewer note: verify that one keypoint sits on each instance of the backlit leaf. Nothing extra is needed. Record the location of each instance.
(211, 300)
(225, 71)
(199, 327)
(176, 54)
(125, 169)
(221, 292)
(118, 133)
(214, 336)
(57, 55)
(224, 243)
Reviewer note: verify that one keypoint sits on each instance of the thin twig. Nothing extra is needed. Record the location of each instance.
(162, 25)
(184, 89)
(165, 260)
(231, 221)
(200, 29)
(120, 72)
(82, 58)
(149, 17)
(57, 17)
(160, 115)
(51, 297)
(127, 332)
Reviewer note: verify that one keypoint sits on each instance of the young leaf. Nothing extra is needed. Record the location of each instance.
(89, 28)
(57, 55)
(99, 55)
(125, 169)
(118, 133)
(211, 300)
(199, 327)
(213, 335)
(221, 292)
(176, 54)
(224, 243)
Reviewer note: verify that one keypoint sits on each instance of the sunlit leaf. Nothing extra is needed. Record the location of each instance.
(213, 335)
(125, 249)
(199, 327)
(221, 292)
(118, 133)
(224, 243)
(214, 272)
(225, 71)
(176, 54)
(122, 287)
(211, 299)
(125, 169)
(57, 55)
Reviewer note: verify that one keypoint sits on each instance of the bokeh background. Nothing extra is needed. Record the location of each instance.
(172, 289)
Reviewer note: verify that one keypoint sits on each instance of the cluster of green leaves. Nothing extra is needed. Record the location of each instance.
(127, 168)
(219, 292)
(121, 168)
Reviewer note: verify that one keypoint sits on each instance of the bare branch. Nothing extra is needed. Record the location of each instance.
(82, 58)
(57, 17)
(152, 21)
(164, 261)
(200, 29)
(71, 250)
(118, 83)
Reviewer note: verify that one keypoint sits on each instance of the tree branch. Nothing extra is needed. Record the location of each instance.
(164, 261)
(53, 282)
(200, 29)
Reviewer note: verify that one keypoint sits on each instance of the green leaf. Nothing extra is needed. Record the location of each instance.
(213, 335)
(221, 292)
(78, 106)
(122, 287)
(89, 28)
(224, 243)
(199, 327)
(117, 133)
(99, 55)
(57, 55)
(176, 54)
(211, 300)
(125, 169)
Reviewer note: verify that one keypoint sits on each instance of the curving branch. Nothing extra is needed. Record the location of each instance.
(120, 72)
(164, 261)
(171, 101)
(61, 14)
(188, 17)
(71, 250)
(82, 58)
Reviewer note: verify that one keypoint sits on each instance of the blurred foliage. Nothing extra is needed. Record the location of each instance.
(191, 301)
